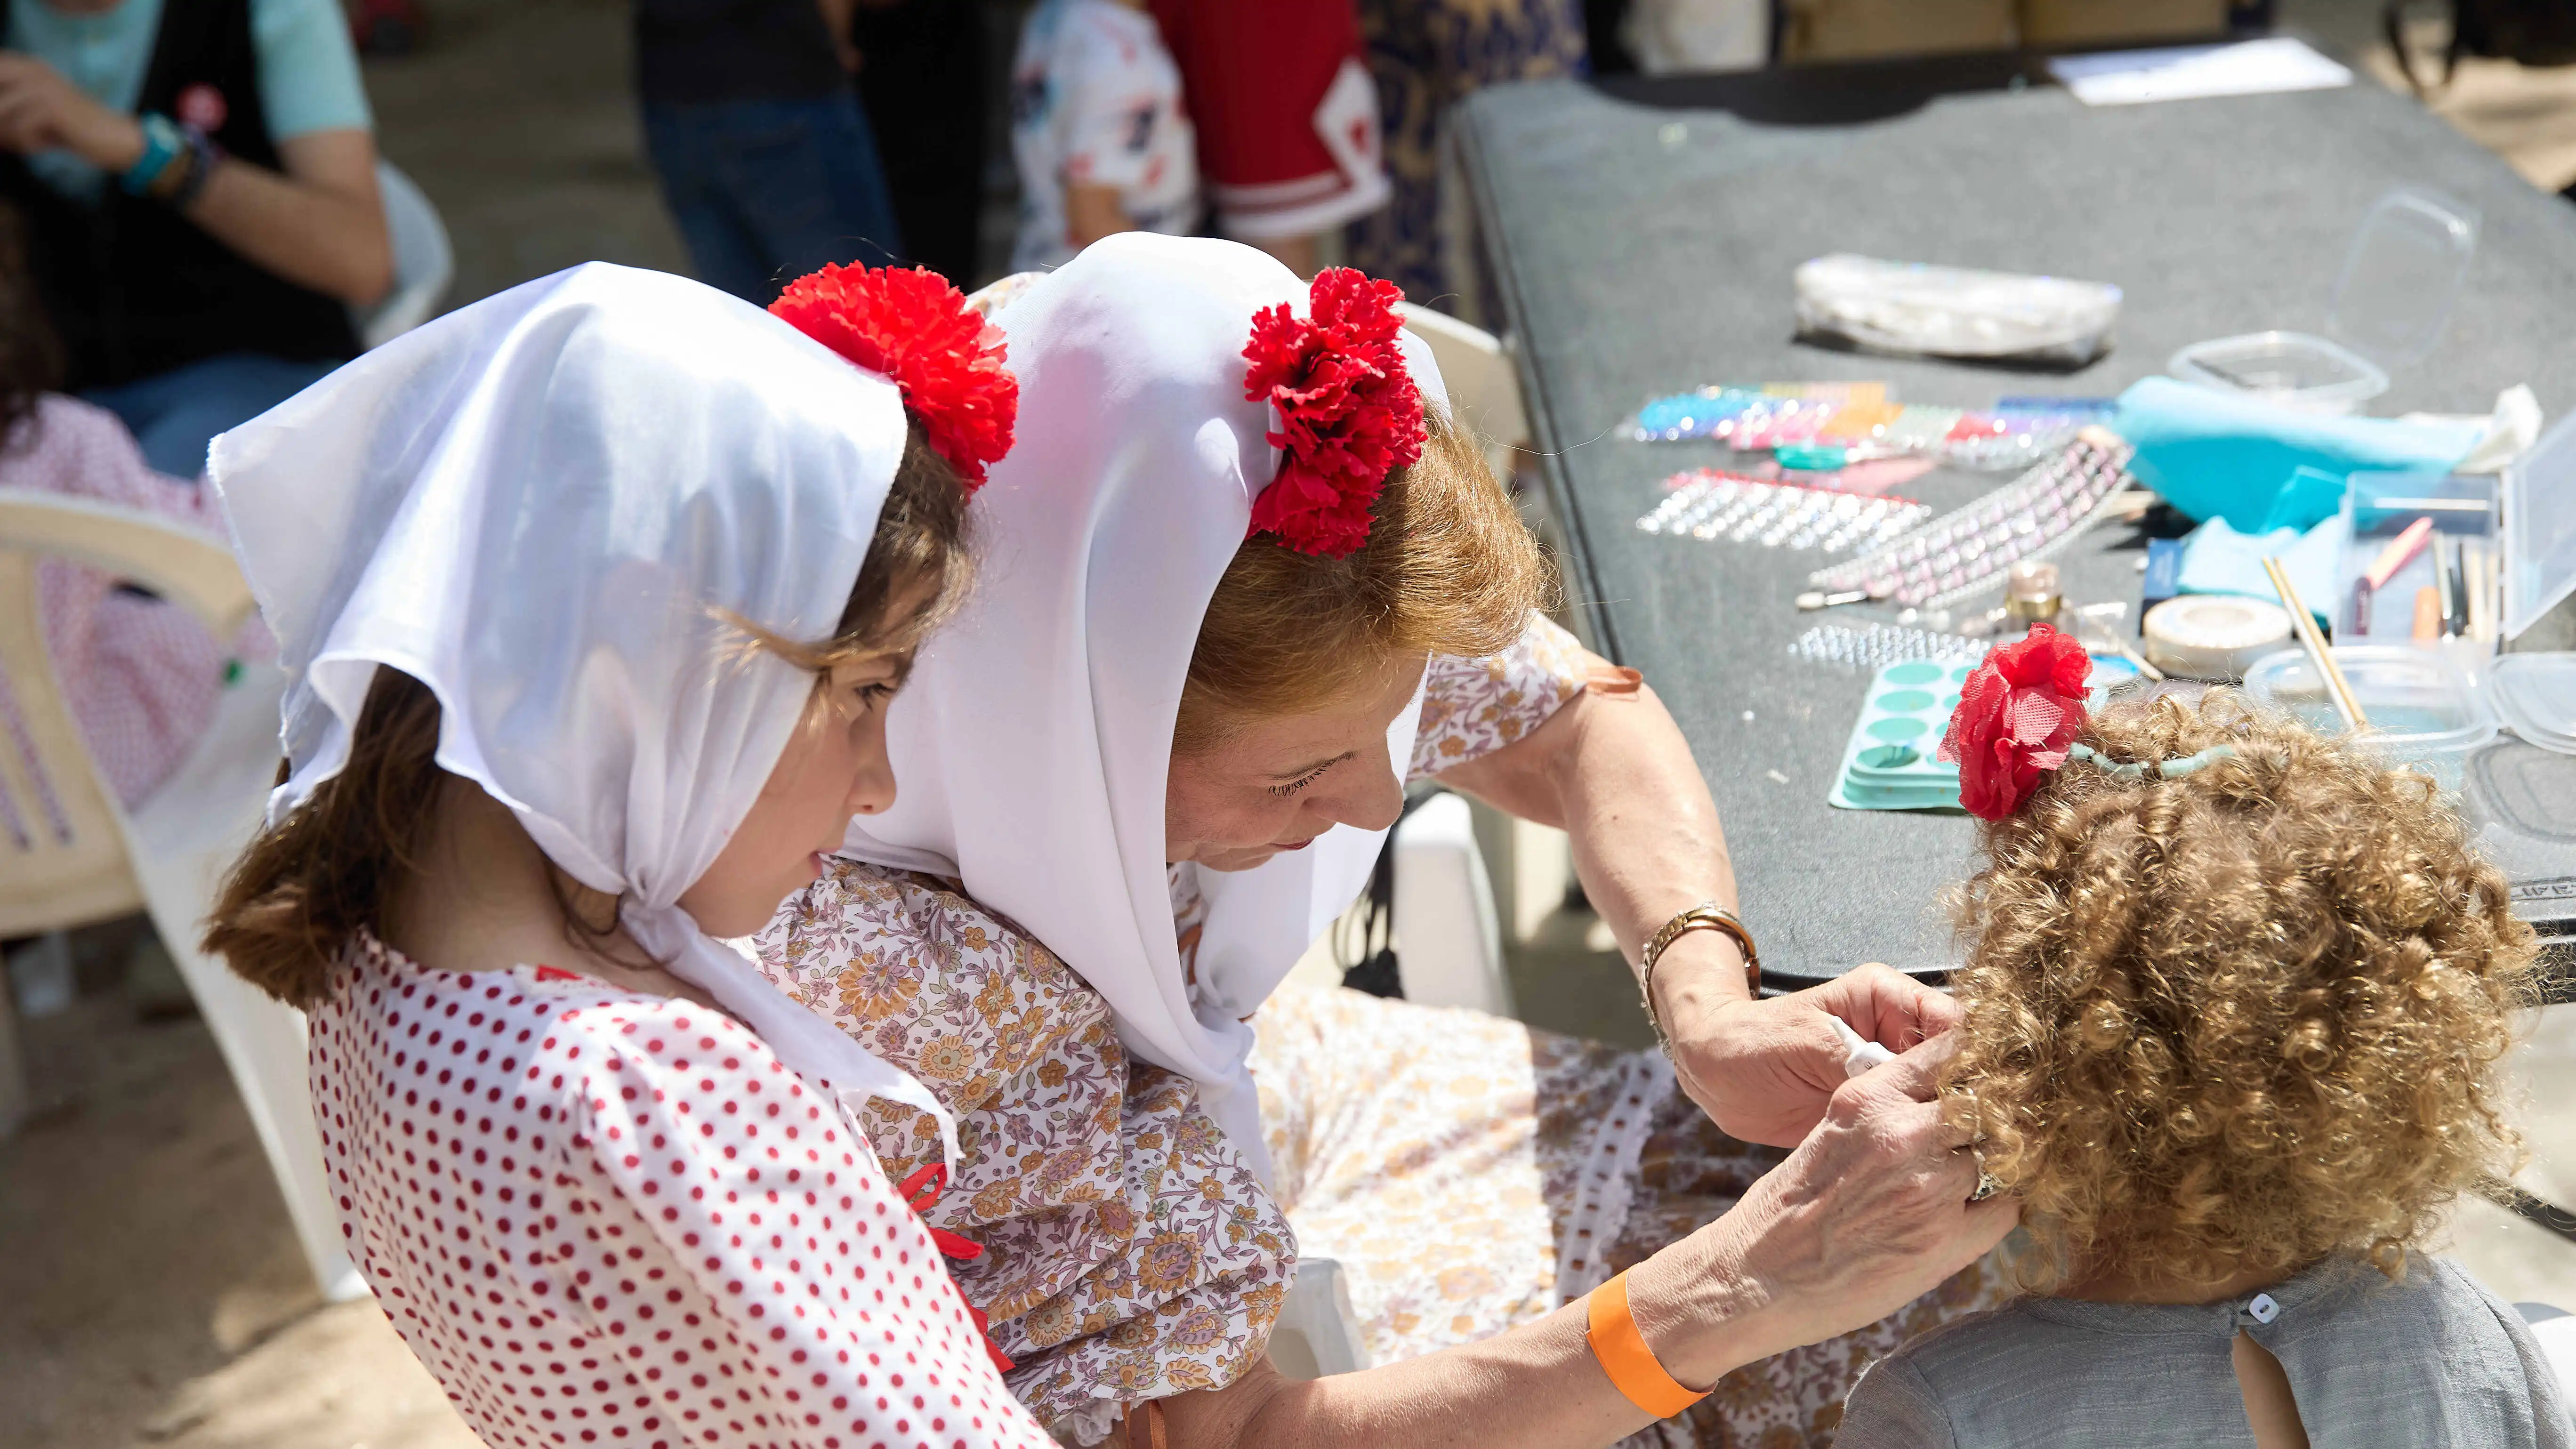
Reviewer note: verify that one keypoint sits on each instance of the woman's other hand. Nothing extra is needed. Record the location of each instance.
(1870, 1212)
(41, 111)
(1764, 1070)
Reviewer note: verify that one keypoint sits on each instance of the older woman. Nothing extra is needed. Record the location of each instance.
(1148, 764)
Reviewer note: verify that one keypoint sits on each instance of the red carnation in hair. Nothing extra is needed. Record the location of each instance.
(2016, 716)
(1349, 406)
(910, 325)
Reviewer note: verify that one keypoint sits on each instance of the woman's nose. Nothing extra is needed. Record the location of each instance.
(1373, 798)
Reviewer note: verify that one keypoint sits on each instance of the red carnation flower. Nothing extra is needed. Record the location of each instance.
(2018, 713)
(908, 324)
(1348, 408)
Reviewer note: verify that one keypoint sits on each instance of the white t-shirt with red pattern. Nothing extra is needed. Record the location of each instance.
(605, 1218)
(1096, 99)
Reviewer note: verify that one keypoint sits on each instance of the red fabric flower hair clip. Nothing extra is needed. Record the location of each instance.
(1348, 406)
(908, 324)
(2017, 716)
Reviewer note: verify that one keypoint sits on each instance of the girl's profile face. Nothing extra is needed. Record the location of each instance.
(834, 768)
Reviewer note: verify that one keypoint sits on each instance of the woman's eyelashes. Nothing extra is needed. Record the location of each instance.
(1293, 786)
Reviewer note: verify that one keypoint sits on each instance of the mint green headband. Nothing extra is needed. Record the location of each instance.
(2137, 770)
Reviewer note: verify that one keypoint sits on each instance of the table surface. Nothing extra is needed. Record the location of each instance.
(1642, 236)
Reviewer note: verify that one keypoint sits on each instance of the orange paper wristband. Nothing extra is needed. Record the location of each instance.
(1623, 1353)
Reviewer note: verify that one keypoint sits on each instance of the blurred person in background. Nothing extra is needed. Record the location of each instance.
(1428, 55)
(1287, 118)
(1098, 129)
(139, 674)
(924, 82)
(199, 178)
(766, 160)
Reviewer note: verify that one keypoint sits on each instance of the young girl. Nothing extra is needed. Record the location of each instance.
(2235, 996)
(596, 592)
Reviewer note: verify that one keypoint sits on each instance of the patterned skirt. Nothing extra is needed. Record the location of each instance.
(1471, 1174)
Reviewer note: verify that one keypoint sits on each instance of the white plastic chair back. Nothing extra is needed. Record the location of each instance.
(1448, 938)
(2556, 1332)
(424, 262)
(62, 859)
(1482, 386)
(1317, 1333)
(168, 856)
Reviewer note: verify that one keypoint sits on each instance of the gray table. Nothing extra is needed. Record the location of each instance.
(1642, 234)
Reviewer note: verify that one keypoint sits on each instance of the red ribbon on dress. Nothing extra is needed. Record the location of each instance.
(922, 1190)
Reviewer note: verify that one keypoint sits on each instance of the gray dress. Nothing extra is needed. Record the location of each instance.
(2434, 1360)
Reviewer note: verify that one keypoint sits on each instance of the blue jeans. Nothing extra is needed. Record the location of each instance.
(766, 191)
(175, 414)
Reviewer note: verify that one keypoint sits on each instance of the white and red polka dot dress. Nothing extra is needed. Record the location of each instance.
(614, 1219)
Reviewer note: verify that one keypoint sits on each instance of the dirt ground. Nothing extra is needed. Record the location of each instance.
(150, 1288)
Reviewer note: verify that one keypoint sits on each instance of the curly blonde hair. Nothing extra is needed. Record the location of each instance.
(2235, 1021)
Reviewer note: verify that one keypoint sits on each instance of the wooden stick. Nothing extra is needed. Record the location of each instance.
(2336, 684)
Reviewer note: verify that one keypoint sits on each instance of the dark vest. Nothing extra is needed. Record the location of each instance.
(136, 289)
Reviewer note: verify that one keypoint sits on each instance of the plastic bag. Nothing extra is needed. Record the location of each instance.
(1908, 307)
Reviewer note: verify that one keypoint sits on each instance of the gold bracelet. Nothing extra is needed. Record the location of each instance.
(1706, 916)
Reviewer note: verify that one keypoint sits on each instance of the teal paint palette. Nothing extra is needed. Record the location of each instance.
(1888, 764)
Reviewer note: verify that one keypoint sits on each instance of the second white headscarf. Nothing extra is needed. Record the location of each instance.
(1035, 738)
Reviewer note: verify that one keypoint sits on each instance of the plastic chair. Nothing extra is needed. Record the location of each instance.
(1483, 389)
(1532, 862)
(2556, 1331)
(424, 262)
(168, 855)
(1317, 1334)
(1449, 938)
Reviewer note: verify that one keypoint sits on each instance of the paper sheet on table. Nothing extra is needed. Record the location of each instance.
(2253, 67)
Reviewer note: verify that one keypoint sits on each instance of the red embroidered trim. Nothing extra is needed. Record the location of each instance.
(1348, 407)
(921, 1190)
(556, 973)
(908, 324)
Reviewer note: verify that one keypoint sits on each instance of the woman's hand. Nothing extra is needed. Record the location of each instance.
(1869, 1213)
(41, 111)
(1764, 1070)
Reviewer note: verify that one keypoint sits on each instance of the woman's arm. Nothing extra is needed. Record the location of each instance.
(319, 223)
(1612, 769)
(1868, 1213)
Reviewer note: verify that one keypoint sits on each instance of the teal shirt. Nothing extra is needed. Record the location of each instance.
(308, 69)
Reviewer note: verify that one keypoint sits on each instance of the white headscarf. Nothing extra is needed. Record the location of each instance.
(1035, 738)
(535, 506)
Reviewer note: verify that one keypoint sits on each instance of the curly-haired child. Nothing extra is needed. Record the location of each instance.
(2235, 998)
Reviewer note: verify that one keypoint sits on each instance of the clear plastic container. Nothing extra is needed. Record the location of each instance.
(2378, 509)
(2290, 368)
(2401, 276)
(2403, 273)
(2531, 792)
(2535, 694)
(2422, 708)
(2540, 527)
(2521, 799)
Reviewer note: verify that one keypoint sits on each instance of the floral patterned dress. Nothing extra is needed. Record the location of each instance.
(1469, 1173)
